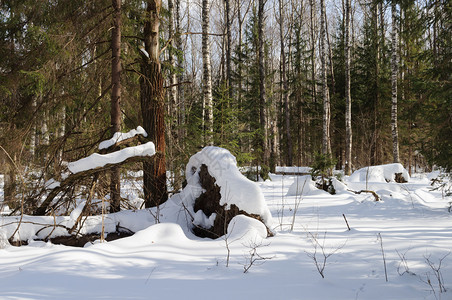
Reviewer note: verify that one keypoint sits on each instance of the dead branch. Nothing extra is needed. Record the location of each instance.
(377, 198)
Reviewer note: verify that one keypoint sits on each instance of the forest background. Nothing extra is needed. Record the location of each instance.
(278, 82)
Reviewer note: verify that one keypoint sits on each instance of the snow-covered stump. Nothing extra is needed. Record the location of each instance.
(217, 192)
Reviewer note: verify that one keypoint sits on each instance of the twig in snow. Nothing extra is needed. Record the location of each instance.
(437, 272)
(320, 262)
(254, 258)
(346, 222)
(383, 254)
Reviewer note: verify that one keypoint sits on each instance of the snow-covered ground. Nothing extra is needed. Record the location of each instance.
(411, 225)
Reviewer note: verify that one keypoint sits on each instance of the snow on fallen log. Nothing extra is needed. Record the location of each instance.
(293, 170)
(96, 160)
(382, 173)
(303, 185)
(122, 136)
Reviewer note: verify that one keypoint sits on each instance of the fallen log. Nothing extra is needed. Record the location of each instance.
(75, 178)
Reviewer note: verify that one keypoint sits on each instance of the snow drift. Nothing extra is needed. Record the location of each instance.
(382, 173)
(303, 185)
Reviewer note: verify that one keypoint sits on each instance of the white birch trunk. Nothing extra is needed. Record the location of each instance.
(348, 99)
(326, 146)
(207, 71)
(394, 68)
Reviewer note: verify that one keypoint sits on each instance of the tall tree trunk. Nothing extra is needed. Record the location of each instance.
(262, 96)
(115, 112)
(374, 153)
(172, 60)
(172, 95)
(180, 77)
(228, 48)
(153, 109)
(207, 71)
(348, 99)
(326, 144)
(394, 71)
(285, 89)
(312, 20)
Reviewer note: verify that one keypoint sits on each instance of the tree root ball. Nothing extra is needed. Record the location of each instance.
(209, 203)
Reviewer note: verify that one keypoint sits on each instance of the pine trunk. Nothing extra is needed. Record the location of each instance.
(285, 89)
(262, 96)
(115, 112)
(180, 77)
(153, 109)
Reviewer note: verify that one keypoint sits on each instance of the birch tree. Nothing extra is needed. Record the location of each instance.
(394, 68)
(326, 144)
(348, 100)
(207, 71)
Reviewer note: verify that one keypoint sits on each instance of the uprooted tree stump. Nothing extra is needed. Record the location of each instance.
(209, 203)
(398, 177)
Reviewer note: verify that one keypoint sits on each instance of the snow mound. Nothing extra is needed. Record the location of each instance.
(3, 240)
(120, 136)
(303, 185)
(246, 228)
(96, 160)
(339, 186)
(235, 188)
(382, 173)
(167, 233)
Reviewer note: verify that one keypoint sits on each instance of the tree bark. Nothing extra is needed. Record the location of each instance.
(348, 99)
(326, 145)
(314, 85)
(394, 72)
(153, 109)
(207, 71)
(115, 112)
(285, 89)
(180, 77)
(228, 48)
(172, 76)
(262, 95)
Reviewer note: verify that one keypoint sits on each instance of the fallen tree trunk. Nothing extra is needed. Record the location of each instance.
(75, 178)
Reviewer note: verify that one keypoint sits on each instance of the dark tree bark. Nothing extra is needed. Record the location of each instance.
(285, 88)
(153, 109)
(115, 113)
(262, 96)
